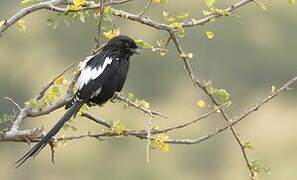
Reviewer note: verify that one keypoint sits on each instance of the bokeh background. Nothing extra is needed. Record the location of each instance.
(247, 55)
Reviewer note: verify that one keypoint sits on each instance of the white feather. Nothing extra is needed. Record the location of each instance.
(84, 63)
(87, 73)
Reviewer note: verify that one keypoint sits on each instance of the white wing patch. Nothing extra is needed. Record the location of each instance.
(84, 63)
(87, 73)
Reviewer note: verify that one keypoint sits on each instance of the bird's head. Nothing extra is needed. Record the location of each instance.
(123, 45)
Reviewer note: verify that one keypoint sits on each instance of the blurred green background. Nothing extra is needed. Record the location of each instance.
(247, 55)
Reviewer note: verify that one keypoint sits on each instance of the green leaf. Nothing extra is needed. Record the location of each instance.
(259, 167)
(248, 145)
(32, 103)
(223, 94)
(108, 11)
(143, 44)
(131, 96)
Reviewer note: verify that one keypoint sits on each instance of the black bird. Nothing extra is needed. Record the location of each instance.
(100, 77)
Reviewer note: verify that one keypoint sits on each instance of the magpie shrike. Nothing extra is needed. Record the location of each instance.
(100, 77)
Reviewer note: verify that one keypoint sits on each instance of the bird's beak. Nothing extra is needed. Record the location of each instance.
(136, 51)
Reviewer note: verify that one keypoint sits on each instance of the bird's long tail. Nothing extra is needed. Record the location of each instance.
(40, 145)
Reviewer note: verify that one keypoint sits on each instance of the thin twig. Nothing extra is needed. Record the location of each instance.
(44, 89)
(149, 128)
(97, 120)
(101, 15)
(13, 102)
(119, 97)
(145, 8)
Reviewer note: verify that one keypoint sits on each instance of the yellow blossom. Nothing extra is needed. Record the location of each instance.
(76, 5)
(201, 103)
(59, 80)
(160, 141)
(118, 127)
(209, 35)
(112, 33)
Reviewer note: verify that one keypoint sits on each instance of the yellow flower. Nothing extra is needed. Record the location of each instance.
(76, 5)
(160, 141)
(118, 127)
(59, 80)
(83, 109)
(112, 33)
(144, 104)
(201, 103)
(209, 35)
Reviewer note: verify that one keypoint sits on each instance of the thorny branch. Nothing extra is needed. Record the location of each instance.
(15, 134)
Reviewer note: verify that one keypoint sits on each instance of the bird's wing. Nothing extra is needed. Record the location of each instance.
(94, 72)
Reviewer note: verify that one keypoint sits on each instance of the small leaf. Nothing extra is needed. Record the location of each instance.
(209, 35)
(263, 7)
(53, 23)
(21, 26)
(186, 55)
(143, 44)
(165, 13)
(59, 80)
(291, 1)
(131, 96)
(200, 103)
(108, 11)
(259, 167)
(248, 145)
(144, 104)
(190, 55)
(223, 94)
(118, 127)
(160, 141)
(82, 17)
(84, 108)
(112, 33)
(273, 89)
(206, 12)
(76, 5)
(1, 23)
